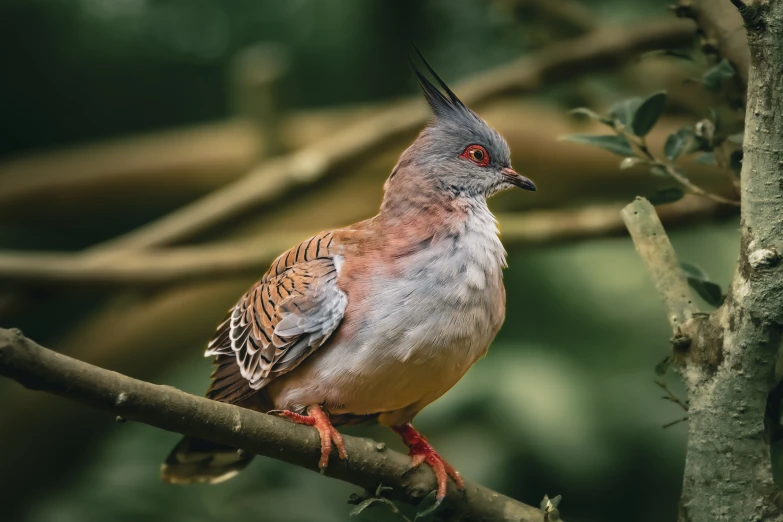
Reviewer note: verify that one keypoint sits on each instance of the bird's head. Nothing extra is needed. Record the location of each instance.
(458, 151)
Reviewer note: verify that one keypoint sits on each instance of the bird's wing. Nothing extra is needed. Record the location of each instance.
(281, 320)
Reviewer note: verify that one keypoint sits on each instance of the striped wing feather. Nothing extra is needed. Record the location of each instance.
(281, 320)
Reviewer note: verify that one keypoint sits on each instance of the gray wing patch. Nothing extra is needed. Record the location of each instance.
(282, 320)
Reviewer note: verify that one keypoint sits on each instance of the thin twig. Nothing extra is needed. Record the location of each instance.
(672, 423)
(670, 395)
(641, 145)
(672, 171)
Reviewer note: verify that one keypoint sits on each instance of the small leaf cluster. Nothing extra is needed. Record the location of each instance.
(635, 115)
(549, 507)
(704, 137)
(632, 120)
(714, 77)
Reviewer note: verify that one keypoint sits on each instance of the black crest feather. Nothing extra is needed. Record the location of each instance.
(441, 104)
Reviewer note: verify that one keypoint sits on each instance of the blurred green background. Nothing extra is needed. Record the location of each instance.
(565, 403)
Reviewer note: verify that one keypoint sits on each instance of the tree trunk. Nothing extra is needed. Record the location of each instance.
(729, 367)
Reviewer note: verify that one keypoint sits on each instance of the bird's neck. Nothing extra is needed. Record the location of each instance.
(463, 223)
(416, 203)
(428, 210)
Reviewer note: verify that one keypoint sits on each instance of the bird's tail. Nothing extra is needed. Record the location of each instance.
(197, 461)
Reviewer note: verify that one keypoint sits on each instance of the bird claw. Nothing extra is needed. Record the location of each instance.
(421, 451)
(416, 461)
(329, 435)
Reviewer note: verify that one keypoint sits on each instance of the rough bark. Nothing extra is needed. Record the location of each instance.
(729, 370)
(369, 464)
(727, 359)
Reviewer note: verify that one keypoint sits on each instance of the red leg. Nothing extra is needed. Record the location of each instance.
(421, 451)
(316, 417)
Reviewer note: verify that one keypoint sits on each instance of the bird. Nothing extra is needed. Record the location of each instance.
(374, 321)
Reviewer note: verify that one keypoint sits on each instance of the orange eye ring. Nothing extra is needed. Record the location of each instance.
(477, 154)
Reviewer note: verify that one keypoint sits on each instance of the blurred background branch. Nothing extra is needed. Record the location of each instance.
(238, 259)
(722, 33)
(569, 17)
(274, 178)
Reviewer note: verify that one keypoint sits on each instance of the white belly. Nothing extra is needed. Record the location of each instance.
(423, 329)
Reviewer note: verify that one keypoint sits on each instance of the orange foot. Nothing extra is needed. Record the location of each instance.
(316, 417)
(421, 451)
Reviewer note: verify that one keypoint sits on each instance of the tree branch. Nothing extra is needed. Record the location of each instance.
(723, 30)
(190, 160)
(246, 258)
(566, 16)
(370, 464)
(658, 255)
(31, 190)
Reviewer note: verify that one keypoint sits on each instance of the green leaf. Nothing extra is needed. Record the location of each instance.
(662, 367)
(699, 281)
(435, 504)
(625, 110)
(367, 503)
(616, 144)
(647, 114)
(584, 111)
(694, 271)
(667, 195)
(681, 141)
(707, 159)
(548, 504)
(713, 78)
(709, 291)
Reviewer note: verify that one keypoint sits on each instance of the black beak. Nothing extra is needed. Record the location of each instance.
(518, 180)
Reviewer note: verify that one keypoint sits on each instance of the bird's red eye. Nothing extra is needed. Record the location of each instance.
(477, 154)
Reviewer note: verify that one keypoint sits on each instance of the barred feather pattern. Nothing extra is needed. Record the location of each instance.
(282, 319)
